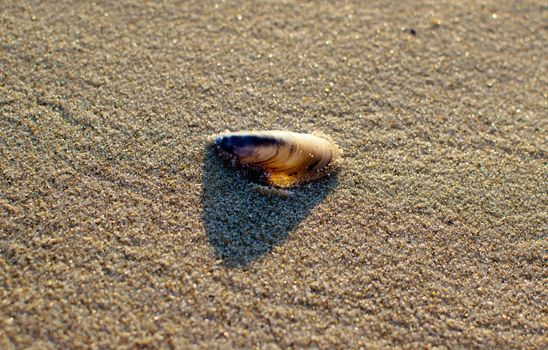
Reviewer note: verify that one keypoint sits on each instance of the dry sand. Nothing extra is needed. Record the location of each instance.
(120, 228)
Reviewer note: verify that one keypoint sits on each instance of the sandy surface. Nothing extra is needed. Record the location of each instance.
(120, 228)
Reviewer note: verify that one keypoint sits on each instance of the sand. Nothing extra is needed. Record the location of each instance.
(120, 228)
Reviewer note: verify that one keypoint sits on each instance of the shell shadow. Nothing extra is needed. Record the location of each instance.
(241, 224)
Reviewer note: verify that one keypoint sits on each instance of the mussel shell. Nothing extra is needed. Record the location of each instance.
(280, 158)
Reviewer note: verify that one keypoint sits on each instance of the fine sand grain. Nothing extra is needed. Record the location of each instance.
(119, 228)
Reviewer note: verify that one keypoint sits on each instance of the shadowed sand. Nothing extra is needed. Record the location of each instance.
(243, 224)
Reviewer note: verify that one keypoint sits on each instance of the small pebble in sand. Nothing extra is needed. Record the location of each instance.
(280, 158)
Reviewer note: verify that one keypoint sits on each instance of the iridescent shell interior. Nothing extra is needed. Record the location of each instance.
(284, 158)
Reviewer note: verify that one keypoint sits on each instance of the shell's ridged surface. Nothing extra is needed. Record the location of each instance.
(285, 158)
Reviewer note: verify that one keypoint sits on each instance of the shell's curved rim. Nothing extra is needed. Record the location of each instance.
(217, 138)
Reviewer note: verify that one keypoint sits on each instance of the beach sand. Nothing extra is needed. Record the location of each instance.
(120, 227)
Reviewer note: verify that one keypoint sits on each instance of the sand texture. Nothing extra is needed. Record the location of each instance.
(120, 227)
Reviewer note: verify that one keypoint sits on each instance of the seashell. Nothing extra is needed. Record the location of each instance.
(280, 158)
